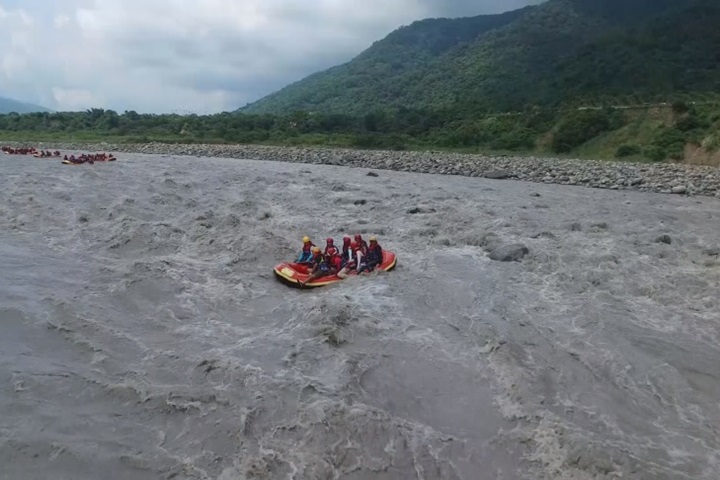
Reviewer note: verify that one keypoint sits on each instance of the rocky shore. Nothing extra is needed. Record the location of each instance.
(668, 178)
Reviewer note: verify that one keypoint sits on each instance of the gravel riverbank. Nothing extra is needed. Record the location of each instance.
(658, 177)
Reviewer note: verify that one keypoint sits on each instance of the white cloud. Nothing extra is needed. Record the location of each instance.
(184, 55)
(75, 98)
(16, 26)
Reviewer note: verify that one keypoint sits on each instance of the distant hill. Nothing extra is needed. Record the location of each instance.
(8, 105)
(560, 52)
(363, 81)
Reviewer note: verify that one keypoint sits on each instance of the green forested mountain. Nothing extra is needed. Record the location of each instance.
(558, 53)
(8, 105)
(674, 53)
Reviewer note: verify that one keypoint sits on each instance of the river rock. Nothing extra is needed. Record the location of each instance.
(496, 174)
(664, 239)
(509, 253)
(679, 189)
(421, 210)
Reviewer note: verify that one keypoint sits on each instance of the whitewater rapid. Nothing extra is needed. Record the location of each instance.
(143, 335)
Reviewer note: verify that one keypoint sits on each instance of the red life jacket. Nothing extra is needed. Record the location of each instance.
(336, 262)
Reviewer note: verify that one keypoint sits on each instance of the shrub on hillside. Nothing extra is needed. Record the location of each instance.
(672, 142)
(676, 152)
(521, 139)
(380, 141)
(627, 151)
(666, 137)
(688, 122)
(680, 107)
(713, 143)
(655, 153)
(582, 126)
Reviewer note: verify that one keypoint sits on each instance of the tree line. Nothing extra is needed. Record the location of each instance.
(560, 130)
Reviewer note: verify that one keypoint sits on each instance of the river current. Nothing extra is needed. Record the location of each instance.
(144, 336)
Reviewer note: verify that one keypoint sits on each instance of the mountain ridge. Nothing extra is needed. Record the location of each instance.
(531, 56)
(400, 51)
(9, 105)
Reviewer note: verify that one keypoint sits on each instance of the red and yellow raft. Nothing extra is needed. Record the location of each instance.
(292, 274)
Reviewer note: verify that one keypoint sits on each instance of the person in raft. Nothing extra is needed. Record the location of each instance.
(336, 264)
(330, 248)
(355, 260)
(333, 257)
(320, 267)
(306, 255)
(360, 255)
(347, 258)
(362, 244)
(374, 256)
(346, 252)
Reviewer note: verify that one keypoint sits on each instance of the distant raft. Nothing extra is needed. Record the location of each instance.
(68, 162)
(91, 159)
(291, 274)
(46, 154)
(19, 150)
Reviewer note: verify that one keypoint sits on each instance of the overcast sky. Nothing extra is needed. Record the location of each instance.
(201, 56)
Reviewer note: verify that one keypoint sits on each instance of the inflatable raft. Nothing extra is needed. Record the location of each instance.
(67, 162)
(293, 273)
